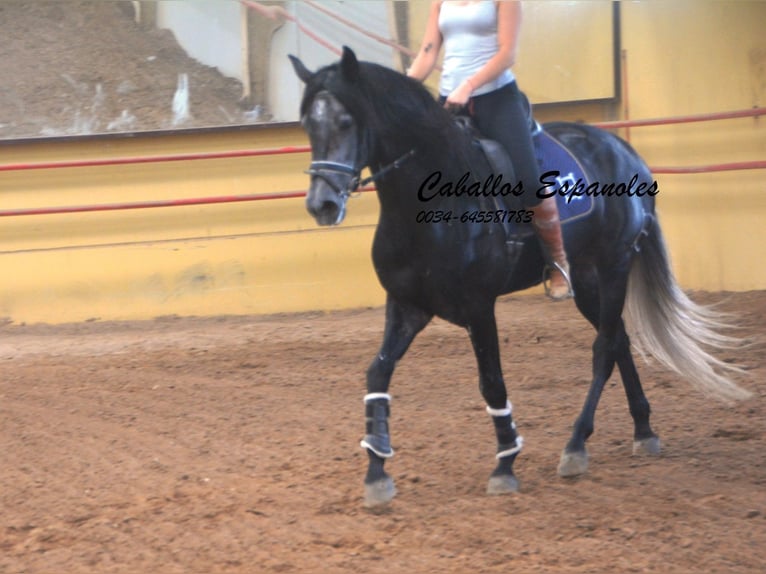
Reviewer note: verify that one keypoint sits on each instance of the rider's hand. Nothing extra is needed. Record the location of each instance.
(459, 97)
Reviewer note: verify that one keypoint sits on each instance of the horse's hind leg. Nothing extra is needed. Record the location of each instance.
(644, 439)
(403, 323)
(600, 300)
(574, 459)
(483, 332)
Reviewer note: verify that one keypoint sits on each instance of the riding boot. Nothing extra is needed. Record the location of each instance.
(548, 227)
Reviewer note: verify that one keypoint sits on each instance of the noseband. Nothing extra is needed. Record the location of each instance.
(324, 168)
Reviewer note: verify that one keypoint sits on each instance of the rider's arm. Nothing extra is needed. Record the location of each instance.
(425, 62)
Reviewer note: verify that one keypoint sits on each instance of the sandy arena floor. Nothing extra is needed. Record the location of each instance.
(231, 445)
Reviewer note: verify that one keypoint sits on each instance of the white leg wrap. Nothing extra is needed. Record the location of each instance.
(373, 396)
(377, 423)
(514, 450)
(501, 412)
(366, 445)
(519, 440)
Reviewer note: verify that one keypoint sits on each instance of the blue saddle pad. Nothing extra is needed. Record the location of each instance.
(552, 156)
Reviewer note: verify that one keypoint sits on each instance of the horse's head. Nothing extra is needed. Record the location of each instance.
(336, 136)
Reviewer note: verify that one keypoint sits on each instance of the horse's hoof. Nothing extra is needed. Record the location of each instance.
(647, 446)
(573, 464)
(379, 493)
(502, 484)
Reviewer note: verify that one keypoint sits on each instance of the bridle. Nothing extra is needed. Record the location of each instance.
(323, 169)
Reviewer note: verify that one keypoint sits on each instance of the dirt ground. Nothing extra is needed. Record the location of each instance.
(230, 444)
(72, 67)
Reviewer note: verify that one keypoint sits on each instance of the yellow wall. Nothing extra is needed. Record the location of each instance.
(694, 57)
(263, 257)
(253, 257)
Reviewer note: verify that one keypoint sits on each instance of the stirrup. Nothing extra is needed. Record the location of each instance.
(546, 282)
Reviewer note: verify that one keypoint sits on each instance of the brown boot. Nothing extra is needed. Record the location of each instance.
(548, 227)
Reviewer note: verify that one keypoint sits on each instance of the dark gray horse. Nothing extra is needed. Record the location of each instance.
(441, 249)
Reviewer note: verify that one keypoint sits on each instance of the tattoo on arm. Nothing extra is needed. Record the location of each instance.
(427, 47)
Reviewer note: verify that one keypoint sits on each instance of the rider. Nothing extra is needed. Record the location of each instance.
(479, 40)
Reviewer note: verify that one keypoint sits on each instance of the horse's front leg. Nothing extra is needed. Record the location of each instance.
(483, 332)
(403, 322)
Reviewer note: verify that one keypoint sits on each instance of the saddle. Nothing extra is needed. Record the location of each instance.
(495, 154)
(557, 165)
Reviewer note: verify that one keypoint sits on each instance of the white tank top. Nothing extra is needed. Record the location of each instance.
(469, 33)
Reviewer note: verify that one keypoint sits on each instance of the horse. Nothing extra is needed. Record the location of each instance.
(441, 248)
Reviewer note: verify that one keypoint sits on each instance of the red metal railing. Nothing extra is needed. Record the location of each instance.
(154, 159)
(750, 113)
(733, 166)
(754, 112)
(317, 6)
(274, 12)
(150, 204)
(745, 165)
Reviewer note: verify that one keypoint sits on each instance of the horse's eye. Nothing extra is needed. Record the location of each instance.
(345, 121)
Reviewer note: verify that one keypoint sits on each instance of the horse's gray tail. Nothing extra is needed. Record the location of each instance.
(679, 333)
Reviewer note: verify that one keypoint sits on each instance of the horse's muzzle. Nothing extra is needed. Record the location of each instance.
(326, 206)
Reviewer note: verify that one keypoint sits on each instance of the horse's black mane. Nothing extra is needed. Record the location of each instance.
(395, 108)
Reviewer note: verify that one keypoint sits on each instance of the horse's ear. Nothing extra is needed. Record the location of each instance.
(349, 66)
(300, 70)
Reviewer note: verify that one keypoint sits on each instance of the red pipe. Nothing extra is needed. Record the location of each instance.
(160, 203)
(736, 166)
(745, 165)
(155, 159)
(150, 204)
(625, 93)
(754, 112)
(272, 12)
(307, 149)
(361, 30)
